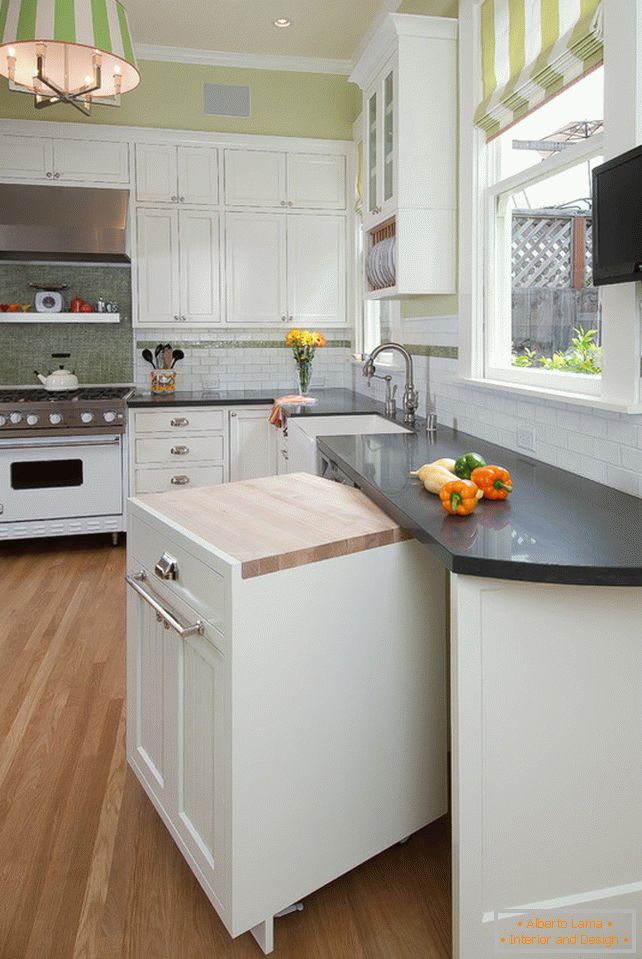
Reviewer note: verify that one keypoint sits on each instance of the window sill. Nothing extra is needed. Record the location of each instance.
(552, 396)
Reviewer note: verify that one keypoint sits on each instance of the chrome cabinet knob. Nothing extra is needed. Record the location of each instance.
(56, 176)
(290, 203)
(182, 199)
(174, 199)
(180, 480)
(283, 319)
(179, 421)
(49, 174)
(179, 450)
(283, 203)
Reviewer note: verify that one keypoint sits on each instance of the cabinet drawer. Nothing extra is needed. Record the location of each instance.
(196, 583)
(171, 420)
(159, 480)
(179, 449)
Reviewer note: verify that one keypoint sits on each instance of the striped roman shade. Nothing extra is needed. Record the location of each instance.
(532, 49)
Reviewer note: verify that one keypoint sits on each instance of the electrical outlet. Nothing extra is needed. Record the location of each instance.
(526, 439)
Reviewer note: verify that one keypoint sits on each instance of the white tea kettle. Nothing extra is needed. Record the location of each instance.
(60, 379)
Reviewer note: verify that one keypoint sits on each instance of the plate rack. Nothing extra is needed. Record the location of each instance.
(376, 283)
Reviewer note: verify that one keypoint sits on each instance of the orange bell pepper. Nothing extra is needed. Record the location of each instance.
(459, 497)
(493, 481)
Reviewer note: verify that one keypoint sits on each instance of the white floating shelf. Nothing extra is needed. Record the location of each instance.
(59, 318)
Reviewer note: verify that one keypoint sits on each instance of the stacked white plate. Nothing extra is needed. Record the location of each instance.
(381, 264)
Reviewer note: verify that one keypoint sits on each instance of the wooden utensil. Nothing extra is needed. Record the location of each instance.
(167, 357)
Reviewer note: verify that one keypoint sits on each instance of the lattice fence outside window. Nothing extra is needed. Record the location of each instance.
(551, 250)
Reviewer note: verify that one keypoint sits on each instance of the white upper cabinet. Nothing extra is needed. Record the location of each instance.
(177, 267)
(199, 266)
(316, 181)
(286, 268)
(260, 178)
(166, 173)
(316, 270)
(255, 178)
(63, 160)
(408, 74)
(157, 266)
(256, 270)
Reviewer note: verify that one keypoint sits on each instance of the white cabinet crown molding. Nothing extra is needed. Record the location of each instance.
(394, 27)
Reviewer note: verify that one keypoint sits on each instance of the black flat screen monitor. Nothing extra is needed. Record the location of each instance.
(617, 219)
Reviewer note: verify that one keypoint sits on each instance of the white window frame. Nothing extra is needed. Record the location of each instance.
(619, 385)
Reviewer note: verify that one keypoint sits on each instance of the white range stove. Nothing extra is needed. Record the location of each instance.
(62, 461)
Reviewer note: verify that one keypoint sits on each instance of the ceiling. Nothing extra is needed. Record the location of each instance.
(320, 28)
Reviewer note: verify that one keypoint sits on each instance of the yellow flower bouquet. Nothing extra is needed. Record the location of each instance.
(304, 344)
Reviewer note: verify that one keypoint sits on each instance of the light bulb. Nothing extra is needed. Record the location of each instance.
(11, 52)
(87, 80)
(117, 70)
(282, 22)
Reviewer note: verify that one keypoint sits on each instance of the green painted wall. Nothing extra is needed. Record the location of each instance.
(418, 306)
(430, 8)
(170, 96)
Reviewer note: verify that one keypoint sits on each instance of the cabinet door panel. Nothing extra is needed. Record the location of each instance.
(200, 755)
(25, 157)
(157, 266)
(253, 444)
(99, 160)
(316, 181)
(255, 264)
(150, 700)
(317, 270)
(156, 173)
(254, 178)
(198, 175)
(199, 253)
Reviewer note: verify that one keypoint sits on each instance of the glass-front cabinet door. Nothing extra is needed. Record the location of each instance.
(381, 127)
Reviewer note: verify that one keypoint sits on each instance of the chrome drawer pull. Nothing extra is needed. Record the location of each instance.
(179, 480)
(179, 421)
(169, 618)
(179, 450)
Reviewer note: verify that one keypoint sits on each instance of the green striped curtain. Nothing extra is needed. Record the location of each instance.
(532, 49)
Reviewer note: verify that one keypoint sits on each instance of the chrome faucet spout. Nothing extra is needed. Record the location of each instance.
(410, 394)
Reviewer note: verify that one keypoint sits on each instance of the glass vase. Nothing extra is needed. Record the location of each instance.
(304, 375)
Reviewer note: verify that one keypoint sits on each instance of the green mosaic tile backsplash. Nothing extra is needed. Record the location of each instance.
(99, 353)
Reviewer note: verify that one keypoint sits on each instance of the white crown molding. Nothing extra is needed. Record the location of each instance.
(248, 61)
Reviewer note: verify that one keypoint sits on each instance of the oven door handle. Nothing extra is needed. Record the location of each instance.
(162, 614)
(26, 446)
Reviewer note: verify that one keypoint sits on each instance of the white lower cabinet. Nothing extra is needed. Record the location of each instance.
(295, 739)
(183, 447)
(177, 448)
(253, 444)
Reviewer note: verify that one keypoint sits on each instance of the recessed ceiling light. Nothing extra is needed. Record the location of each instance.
(282, 22)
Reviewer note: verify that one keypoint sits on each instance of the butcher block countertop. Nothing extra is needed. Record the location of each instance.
(280, 521)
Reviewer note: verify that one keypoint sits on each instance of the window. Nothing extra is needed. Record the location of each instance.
(543, 311)
(525, 213)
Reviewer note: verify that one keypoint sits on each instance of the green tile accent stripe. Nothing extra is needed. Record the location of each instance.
(441, 352)
(235, 344)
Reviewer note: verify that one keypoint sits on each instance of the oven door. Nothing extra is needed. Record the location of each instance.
(61, 477)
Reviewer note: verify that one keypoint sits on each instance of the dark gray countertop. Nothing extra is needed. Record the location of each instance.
(330, 402)
(555, 527)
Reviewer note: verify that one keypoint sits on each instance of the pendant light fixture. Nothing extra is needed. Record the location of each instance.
(67, 51)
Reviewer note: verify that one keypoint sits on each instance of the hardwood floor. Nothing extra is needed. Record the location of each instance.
(87, 869)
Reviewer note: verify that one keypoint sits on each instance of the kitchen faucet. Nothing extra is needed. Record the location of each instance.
(410, 394)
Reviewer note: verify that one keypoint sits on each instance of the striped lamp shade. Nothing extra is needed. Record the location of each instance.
(73, 36)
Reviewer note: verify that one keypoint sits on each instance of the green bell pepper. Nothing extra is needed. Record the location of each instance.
(467, 463)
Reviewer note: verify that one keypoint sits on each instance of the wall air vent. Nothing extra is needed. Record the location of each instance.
(223, 100)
